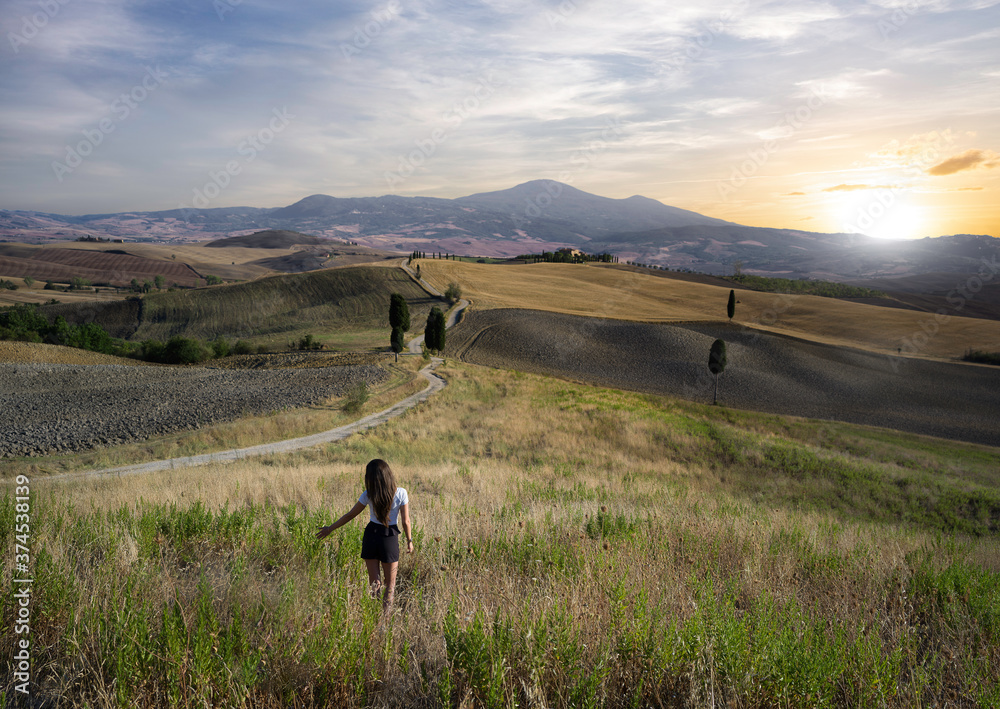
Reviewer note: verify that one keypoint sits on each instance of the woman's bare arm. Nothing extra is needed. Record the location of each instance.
(355, 511)
(404, 518)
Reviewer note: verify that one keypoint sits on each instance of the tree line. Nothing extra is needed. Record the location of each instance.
(25, 324)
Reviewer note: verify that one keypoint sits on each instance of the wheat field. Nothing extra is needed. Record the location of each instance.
(609, 293)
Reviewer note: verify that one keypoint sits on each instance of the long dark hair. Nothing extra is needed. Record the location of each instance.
(381, 486)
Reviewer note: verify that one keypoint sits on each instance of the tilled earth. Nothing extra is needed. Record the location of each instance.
(71, 407)
(765, 372)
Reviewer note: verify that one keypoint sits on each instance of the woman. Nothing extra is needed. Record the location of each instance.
(380, 546)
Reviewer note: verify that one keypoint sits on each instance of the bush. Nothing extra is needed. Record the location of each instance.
(981, 356)
(309, 342)
(221, 348)
(29, 281)
(453, 293)
(184, 350)
(357, 395)
(242, 347)
(151, 351)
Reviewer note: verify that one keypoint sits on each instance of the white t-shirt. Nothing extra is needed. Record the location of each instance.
(398, 500)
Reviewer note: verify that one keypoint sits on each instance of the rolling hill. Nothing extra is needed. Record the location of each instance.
(531, 217)
(632, 295)
(111, 266)
(267, 239)
(342, 299)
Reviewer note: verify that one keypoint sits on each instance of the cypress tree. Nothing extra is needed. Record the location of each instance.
(399, 312)
(717, 364)
(434, 331)
(396, 341)
(731, 306)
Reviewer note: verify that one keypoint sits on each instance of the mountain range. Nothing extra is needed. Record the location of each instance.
(531, 217)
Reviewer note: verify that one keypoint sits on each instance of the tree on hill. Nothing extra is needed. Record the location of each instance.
(399, 312)
(454, 292)
(717, 364)
(396, 341)
(434, 330)
(731, 306)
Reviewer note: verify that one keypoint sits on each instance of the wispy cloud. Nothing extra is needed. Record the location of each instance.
(854, 188)
(699, 85)
(965, 161)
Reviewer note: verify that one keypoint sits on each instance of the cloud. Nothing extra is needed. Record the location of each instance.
(852, 188)
(968, 189)
(965, 161)
(793, 194)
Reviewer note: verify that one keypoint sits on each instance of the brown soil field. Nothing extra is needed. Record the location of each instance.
(97, 266)
(612, 293)
(765, 371)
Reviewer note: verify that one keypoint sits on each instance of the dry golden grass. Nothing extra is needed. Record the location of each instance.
(593, 517)
(38, 352)
(609, 293)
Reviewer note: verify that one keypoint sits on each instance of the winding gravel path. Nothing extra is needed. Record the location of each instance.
(765, 372)
(435, 384)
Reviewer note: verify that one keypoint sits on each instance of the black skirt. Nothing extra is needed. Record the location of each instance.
(380, 542)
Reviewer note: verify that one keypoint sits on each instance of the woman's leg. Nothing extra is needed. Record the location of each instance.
(390, 584)
(373, 576)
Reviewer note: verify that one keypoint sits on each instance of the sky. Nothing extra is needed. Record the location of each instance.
(874, 117)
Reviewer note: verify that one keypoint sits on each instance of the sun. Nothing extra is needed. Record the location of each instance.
(882, 213)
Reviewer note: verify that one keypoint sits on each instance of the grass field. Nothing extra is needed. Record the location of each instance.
(575, 547)
(612, 293)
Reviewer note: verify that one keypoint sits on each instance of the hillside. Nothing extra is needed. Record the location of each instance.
(623, 550)
(346, 299)
(765, 372)
(611, 293)
(111, 265)
(528, 218)
(268, 239)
